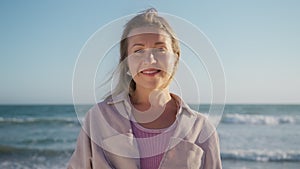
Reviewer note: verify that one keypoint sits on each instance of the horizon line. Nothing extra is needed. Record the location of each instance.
(204, 103)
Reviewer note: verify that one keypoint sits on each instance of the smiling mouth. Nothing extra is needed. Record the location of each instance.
(150, 72)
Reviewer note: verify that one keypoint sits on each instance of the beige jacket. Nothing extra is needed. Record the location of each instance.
(106, 140)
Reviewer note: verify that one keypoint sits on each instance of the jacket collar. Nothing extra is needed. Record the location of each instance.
(129, 148)
(123, 97)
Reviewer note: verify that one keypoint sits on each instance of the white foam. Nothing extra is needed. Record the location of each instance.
(33, 120)
(258, 119)
(261, 155)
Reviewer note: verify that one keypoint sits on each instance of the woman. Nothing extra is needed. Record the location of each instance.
(141, 124)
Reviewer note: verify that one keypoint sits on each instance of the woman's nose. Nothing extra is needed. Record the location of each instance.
(150, 58)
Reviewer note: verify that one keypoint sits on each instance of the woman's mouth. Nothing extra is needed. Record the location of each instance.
(150, 72)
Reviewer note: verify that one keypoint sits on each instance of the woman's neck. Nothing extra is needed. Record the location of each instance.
(144, 99)
(155, 109)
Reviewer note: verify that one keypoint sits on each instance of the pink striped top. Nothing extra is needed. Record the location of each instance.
(152, 144)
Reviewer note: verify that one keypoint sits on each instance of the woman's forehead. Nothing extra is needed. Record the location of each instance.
(148, 35)
(147, 31)
(149, 38)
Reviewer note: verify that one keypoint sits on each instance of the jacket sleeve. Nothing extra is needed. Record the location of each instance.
(82, 155)
(87, 154)
(211, 158)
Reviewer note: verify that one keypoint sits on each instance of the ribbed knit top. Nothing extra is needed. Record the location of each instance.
(152, 144)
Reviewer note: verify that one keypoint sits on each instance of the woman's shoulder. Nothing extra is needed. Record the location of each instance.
(201, 119)
(108, 114)
(107, 102)
(186, 109)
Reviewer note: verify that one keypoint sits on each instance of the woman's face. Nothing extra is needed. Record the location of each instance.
(151, 59)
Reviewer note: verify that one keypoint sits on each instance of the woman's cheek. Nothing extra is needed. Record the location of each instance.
(168, 63)
(133, 65)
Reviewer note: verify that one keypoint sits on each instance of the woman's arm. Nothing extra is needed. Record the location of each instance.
(82, 155)
(87, 155)
(211, 157)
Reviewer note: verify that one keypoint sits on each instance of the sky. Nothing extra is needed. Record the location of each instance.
(258, 43)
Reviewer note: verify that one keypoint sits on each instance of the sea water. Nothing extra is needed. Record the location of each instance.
(251, 136)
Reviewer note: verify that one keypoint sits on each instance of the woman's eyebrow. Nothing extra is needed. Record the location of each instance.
(137, 44)
(160, 43)
(141, 44)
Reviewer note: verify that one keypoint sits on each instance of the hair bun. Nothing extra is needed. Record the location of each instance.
(151, 11)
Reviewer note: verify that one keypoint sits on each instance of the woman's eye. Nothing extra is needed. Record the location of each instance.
(139, 51)
(162, 50)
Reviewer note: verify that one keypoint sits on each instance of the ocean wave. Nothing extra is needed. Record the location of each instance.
(259, 119)
(21, 151)
(33, 164)
(26, 158)
(261, 155)
(45, 141)
(30, 120)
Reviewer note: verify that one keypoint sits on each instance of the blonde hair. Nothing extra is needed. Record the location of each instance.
(147, 18)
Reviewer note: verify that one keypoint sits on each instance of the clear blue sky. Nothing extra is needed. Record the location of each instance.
(258, 42)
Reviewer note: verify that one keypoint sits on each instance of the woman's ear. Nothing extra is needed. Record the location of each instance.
(178, 54)
(128, 73)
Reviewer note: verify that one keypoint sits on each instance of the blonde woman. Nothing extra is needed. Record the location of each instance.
(141, 125)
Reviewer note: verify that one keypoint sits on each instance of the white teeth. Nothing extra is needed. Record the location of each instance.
(149, 71)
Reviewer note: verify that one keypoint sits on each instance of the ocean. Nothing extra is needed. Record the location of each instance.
(251, 136)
